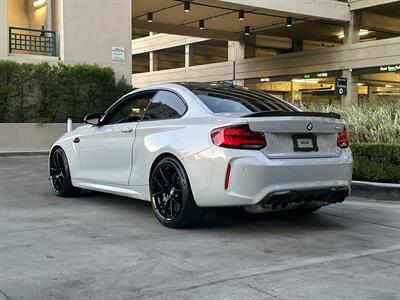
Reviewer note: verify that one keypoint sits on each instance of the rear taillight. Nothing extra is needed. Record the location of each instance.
(342, 139)
(238, 137)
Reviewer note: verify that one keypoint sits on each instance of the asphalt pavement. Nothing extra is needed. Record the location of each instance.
(100, 246)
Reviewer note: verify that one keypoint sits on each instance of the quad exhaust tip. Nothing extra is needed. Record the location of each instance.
(279, 204)
(274, 204)
(284, 204)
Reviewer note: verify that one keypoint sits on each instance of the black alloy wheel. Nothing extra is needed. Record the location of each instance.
(171, 196)
(60, 177)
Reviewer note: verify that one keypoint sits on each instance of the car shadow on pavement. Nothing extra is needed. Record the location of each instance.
(235, 216)
(113, 201)
(224, 217)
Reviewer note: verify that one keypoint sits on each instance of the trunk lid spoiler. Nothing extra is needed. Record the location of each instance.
(292, 114)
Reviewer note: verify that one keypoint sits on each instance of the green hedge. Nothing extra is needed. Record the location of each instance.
(376, 162)
(46, 93)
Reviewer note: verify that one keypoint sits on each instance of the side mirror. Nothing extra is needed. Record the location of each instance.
(93, 118)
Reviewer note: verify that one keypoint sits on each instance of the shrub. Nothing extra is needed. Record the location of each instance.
(374, 133)
(370, 122)
(376, 162)
(52, 93)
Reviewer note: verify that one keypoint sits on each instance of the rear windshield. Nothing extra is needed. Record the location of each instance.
(238, 100)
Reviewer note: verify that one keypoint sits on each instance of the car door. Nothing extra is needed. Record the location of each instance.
(159, 126)
(106, 150)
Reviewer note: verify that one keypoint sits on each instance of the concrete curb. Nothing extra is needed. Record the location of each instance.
(24, 153)
(375, 184)
(376, 190)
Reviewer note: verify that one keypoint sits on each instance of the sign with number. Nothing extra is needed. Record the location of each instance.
(118, 53)
(341, 86)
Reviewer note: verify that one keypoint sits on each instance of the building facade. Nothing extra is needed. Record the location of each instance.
(302, 51)
(68, 31)
(321, 51)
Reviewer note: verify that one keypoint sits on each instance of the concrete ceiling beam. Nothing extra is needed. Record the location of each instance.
(186, 30)
(324, 9)
(361, 4)
(377, 22)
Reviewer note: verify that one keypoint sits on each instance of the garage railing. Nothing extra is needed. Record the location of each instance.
(32, 41)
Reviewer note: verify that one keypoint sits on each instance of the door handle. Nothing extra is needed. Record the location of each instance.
(77, 140)
(126, 129)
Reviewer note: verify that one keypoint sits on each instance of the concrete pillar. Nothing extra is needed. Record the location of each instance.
(189, 55)
(297, 45)
(352, 30)
(351, 36)
(153, 58)
(250, 46)
(153, 61)
(352, 89)
(242, 50)
(3, 29)
(372, 95)
(236, 50)
(49, 15)
(57, 24)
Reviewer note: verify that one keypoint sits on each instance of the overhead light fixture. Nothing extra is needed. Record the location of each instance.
(201, 24)
(241, 15)
(361, 33)
(288, 22)
(186, 6)
(247, 30)
(360, 84)
(39, 3)
(150, 17)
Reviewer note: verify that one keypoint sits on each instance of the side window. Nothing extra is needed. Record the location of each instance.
(130, 110)
(165, 105)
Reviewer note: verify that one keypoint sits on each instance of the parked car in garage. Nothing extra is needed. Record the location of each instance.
(186, 147)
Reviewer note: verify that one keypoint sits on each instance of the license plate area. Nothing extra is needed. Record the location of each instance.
(304, 142)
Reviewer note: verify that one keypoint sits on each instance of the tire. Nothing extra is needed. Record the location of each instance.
(171, 196)
(60, 176)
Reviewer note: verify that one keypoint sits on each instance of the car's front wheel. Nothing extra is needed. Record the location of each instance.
(60, 176)
(171, 196)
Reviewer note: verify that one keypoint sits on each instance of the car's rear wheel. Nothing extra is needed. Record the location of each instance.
(60, 176)
(171, 196)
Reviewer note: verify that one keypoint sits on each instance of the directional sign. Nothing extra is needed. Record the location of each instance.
(341, 86)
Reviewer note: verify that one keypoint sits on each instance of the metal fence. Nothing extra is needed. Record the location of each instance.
(27, 40)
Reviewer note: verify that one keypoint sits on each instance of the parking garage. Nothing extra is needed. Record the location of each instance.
(274, 43)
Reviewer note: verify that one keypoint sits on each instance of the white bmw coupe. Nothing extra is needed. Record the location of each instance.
(186, 147)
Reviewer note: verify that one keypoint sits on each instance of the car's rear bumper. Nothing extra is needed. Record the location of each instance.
(292, 199)
(254, 176)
